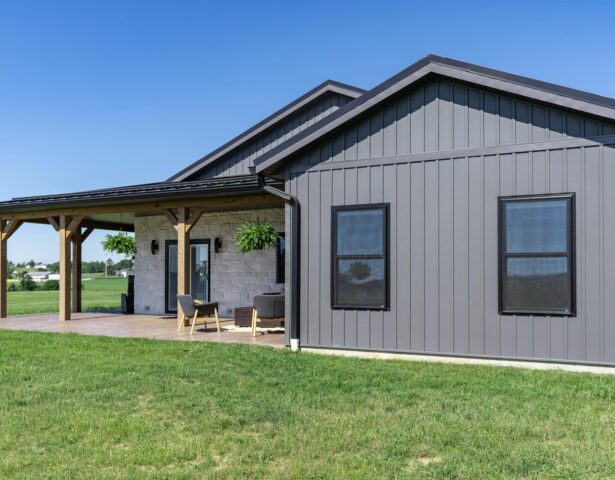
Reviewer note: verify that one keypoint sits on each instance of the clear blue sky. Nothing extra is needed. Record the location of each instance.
(99, 94)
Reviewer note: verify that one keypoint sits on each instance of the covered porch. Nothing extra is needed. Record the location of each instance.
(178, 206)
(143, 326)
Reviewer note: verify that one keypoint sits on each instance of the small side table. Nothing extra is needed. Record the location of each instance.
(243, 318)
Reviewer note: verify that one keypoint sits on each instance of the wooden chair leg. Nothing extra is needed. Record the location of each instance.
(180, 324)
(253, 322)
(194, 322)
(217, 319)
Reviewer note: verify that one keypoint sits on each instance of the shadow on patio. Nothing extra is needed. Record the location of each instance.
(112, 324)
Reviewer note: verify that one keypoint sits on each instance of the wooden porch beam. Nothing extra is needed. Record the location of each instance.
(9, 228)
(86, 233)
(195, 216)
(74, 225)
(219, 204)
(54, 223)
(171, 216)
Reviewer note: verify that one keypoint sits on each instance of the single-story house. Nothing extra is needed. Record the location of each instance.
(123, 273)
(453, 209)
(38, 276)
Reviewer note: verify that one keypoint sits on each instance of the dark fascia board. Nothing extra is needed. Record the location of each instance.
(329, 86)
(545, 92)
(213, 187)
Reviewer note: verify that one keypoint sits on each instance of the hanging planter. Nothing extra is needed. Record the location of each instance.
(256, 236)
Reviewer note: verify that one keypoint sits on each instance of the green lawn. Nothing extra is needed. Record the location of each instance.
(98, 294)
(89, 407)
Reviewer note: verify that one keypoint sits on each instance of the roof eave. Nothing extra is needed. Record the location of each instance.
(15, 208)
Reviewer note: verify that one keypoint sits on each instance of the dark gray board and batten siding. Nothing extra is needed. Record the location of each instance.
(444, 229)
(442, 116)
(238, 162)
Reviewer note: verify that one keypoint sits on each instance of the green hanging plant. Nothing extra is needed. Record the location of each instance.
(256, 236)
(121, 244)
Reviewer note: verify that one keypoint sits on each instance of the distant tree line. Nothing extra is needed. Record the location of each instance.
(97, 267)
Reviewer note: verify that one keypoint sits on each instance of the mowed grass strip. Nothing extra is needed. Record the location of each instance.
(97, 294)
(96, 408)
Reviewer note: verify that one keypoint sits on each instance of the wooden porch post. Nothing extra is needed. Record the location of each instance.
(6, 230)
(77, 240)
(67, 228)
(183, 255)
(183, 223)
(64, 270)
(76, 271)
(3, 272)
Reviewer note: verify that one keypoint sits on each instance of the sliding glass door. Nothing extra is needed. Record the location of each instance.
(199, 272)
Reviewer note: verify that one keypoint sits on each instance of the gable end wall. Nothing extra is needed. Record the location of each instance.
(444, 225)
(238, 162)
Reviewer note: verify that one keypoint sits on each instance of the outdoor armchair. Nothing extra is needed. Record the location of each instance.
(267, 307)
(192, 310)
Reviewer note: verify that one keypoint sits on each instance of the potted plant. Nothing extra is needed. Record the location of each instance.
(256, 236)
(121, 244)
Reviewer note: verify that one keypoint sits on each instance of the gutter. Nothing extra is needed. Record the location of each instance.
(293, 234)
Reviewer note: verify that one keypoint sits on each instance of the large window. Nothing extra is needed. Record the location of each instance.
(537, 255)
(360, 263)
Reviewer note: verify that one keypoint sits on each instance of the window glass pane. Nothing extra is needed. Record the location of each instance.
(536, 226)
(536, 284)
(360, 232)
(199, 272)
(172, 278)
(281, 259)
(361, 283)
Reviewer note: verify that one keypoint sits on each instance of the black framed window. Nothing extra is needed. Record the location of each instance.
(360, 257)
(537, 249)
(280, 256)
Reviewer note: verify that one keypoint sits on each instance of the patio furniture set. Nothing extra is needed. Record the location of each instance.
(268, 310)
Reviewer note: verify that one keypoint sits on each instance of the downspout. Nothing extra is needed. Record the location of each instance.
(293, 235)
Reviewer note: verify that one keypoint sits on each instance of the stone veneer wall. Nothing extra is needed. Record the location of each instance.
(235, 278)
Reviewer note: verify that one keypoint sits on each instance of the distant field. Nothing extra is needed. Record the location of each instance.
(98, 294)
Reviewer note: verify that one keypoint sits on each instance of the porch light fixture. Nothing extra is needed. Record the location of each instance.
(154, 246)
(217, 245)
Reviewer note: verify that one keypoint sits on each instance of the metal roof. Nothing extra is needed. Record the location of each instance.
(218, 186)
(565, 97)
(329, 86)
